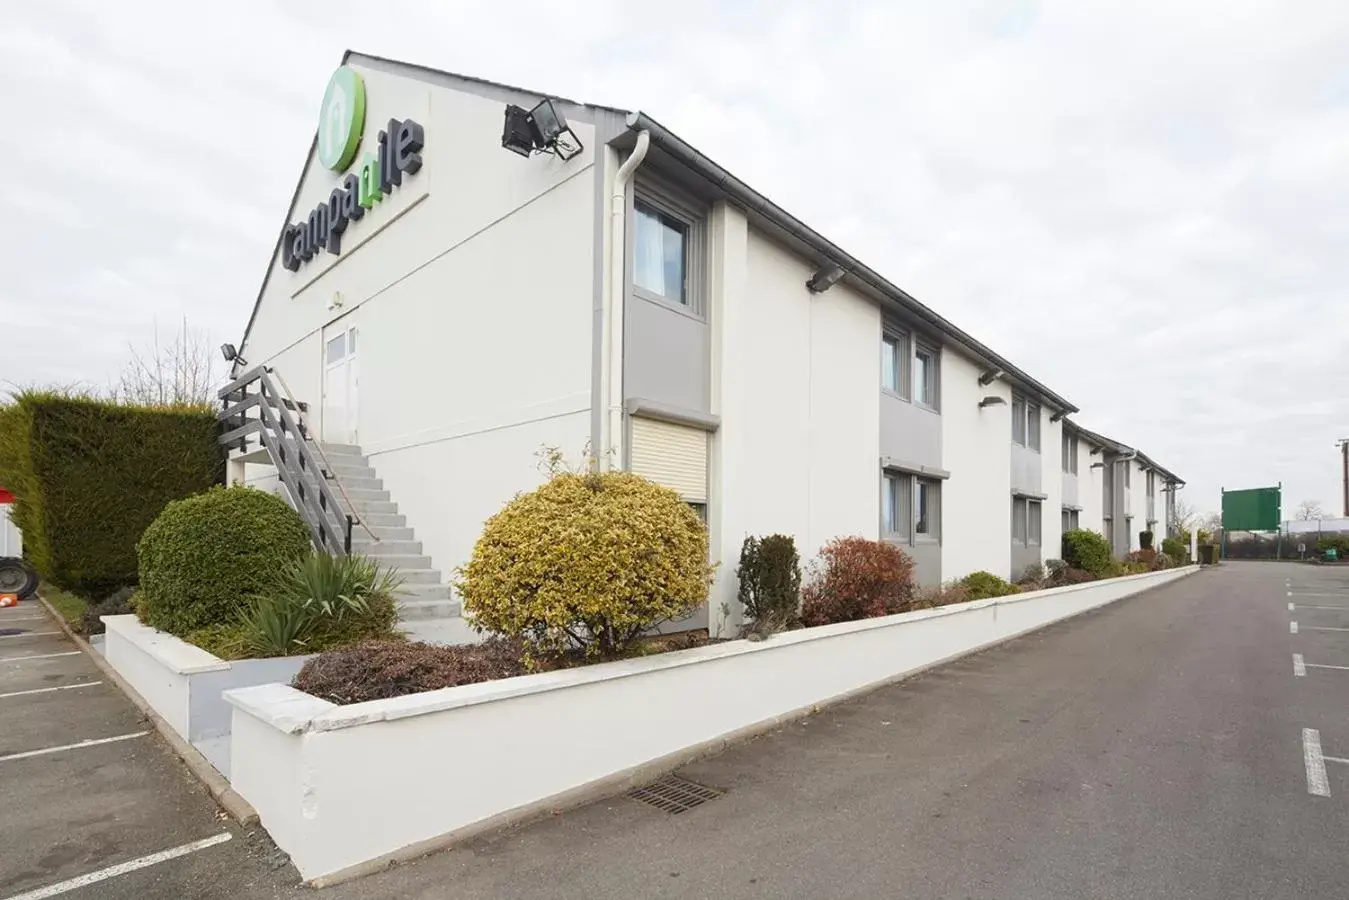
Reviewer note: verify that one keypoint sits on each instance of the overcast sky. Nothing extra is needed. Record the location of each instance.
(1143, 204)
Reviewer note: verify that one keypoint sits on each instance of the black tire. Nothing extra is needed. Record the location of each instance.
(17, 577)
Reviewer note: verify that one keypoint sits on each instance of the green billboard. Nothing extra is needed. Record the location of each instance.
(1257, 509)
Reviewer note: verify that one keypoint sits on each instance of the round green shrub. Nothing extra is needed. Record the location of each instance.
(204, 555)
(1088, 551)
(587, 560)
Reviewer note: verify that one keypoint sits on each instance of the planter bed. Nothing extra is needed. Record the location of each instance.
(346, 789)
(184, 684)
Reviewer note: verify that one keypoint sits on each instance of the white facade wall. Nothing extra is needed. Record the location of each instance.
(1138, 503)
(1051, 484)
(1090, 488)
(472, 286)
(796, 385)
(976, 450)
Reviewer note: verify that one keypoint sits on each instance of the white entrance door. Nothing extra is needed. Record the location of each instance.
(341, 378)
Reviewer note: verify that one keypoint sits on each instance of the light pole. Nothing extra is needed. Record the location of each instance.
(1343, 444)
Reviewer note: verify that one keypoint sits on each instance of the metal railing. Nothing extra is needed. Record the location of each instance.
(252, 405)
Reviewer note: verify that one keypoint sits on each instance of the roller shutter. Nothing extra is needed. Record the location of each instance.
(671, 455)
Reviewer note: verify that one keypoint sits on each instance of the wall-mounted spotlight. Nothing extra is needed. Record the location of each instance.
(229, 351)
(542, 129)
(1058, 416)
(1099, 465)
(992, 401)
(988, 377)
(825, 277)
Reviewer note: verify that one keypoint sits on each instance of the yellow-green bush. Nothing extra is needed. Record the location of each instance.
(589, 560)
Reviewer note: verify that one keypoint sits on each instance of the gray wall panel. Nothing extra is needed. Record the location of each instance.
(1022, 557)
(926, 563)
(1025, 470)
(910, 432)
(665, 356)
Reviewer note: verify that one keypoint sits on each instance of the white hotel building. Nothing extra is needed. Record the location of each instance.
(640, 299)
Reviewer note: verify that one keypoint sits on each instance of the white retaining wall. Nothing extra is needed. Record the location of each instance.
(431, 768)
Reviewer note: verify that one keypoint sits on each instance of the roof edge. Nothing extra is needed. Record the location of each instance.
(762, 206)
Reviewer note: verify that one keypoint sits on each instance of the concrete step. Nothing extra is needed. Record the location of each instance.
(378, 521)
(424, 592)
(421, 610)
(383, 532)
(420, 576)
(363, 483)
(385, 548)
(405, 562)
(333, 450)
(369, 507)
(359, 495)
(447, 632)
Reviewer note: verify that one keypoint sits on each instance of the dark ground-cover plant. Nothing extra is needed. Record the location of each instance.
(1177, 550)
(1033, 577)
(380, 670)
(119, 603)
(770, 582)
(855, 578)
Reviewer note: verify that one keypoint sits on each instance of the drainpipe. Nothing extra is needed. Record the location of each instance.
(611, 376)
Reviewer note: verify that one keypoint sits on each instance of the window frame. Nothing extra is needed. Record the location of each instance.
(899, 504)
(1035, 536)
(932, 383)
(1034, 436)
(1019, 404)
(1071, 520)
(1019, 521)
(668, 201)
(1069, 454)
(900, 356)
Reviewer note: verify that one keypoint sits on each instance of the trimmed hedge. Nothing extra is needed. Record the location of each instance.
(983, 585)
(89, 476)
(1088, 551)
(204, 556)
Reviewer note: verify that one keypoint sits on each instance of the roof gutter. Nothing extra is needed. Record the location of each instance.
(761, 206)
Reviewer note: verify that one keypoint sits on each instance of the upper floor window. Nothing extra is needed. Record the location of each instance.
(660, 255)
(1025, 423)
(894, 358)
(1070, 454)
(925, 376)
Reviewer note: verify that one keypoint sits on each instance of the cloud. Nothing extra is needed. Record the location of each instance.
(1141, 203)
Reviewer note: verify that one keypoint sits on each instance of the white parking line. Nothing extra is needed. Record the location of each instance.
(112, 740)
(1305, 606)
(1290, 607)
(1335, 759)
(1299, 668)
(1320, 666)
(1315, 594)
(1324, 628)
(5, 659)
(1292, 627)
(1318, 785)
(62, 687)
(122, 868)
(28, 634)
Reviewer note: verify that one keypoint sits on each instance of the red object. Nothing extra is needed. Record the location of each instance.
(6, 496)
(8, 600)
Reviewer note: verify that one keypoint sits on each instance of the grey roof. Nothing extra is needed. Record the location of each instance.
(759, 208)
(1115, 446)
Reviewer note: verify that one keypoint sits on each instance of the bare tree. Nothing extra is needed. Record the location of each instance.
(180, 372)
(1210, 522)
(1308, 510)
(1183, 515)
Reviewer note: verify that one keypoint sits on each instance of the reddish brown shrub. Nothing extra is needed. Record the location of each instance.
(855, 578)
(1148, 557)
(378, 670)
(943, 595)
(1073, 576)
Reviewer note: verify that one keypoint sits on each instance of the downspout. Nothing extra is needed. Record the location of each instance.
(611, 376)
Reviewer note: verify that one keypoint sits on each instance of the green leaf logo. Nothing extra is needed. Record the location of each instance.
(341, 119)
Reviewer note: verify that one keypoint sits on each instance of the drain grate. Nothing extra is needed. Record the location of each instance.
(674, 794)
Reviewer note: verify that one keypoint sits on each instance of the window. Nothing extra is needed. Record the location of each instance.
(1152, 497)
(1070, 454)
(926, 503)
(925, 376)
(1129, 531)
(894, 351)
(910, 508)
(660, 255)
(1033, 426)
(1019, 420)
(896, 512)
(700, 510)
(1025, 521)
(1070, 519)
(1108, 527)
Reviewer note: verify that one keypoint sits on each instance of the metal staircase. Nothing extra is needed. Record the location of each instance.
(338, 495)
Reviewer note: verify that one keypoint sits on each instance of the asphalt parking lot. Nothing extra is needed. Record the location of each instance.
(1318, 637)
(93, 803)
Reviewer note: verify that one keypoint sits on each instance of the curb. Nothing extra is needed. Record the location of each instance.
(229, 799)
